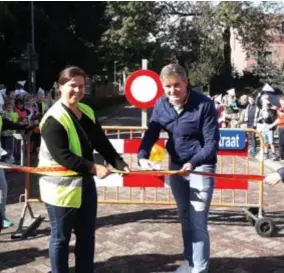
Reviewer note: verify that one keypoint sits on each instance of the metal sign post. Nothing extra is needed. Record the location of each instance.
(144, 116)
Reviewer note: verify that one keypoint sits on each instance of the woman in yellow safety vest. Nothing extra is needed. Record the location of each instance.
(69, 134)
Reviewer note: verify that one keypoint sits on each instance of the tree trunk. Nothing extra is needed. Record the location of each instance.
(227, 58)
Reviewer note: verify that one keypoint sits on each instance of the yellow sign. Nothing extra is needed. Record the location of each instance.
(157, 153)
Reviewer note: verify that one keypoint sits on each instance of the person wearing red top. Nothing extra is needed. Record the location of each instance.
(22, 112)
(280, 123)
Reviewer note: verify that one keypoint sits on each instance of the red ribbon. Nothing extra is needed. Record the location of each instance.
(62, 171)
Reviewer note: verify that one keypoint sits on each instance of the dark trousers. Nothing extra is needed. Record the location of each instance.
(252, 142)
(281, 142)
(82, 221)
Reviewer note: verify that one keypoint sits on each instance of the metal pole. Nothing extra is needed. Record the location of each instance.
(144, 111)
(114, 76)
(33, 75)
(114, 72)
(29, 50)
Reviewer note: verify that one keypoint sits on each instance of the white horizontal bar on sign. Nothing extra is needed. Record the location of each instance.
(112, 180)
(167, 182)
(118, 145)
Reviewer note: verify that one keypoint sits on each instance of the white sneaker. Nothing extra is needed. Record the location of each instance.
(184, 268)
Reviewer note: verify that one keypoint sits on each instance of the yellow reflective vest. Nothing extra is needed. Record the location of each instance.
(1, 124)
(62, 191)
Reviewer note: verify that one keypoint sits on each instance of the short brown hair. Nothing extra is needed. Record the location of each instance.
(173, 70)
(70, 72)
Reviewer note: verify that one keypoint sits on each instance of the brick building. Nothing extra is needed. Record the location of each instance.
(273, 54)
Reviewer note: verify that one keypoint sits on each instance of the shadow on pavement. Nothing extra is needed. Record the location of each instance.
(236, 218)
(152, 262)
(145, 216)
(19, 257)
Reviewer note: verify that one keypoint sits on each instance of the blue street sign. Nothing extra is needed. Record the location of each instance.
(232, 139)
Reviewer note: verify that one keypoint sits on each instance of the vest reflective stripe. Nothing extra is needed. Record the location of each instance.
(74, 181)
(43, 106)
(62, 191)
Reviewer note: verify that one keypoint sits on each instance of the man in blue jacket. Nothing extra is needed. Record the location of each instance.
(190, 119)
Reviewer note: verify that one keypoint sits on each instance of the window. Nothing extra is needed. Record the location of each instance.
(265, 57)
(268, 57)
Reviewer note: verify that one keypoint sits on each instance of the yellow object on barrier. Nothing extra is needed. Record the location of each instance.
(157, 154)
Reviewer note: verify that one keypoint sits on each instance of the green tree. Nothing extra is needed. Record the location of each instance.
(131, 33)
(251, 24)
(193, 42)
(213, 24)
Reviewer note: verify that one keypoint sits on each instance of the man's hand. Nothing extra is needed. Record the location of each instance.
(146, 164)
(187, 167)
(272, 179)
(100, 171)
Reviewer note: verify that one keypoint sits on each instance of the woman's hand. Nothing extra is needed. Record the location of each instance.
(126, 169)
(100, 171)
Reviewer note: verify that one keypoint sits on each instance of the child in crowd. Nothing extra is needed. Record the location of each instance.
(7, 135)
(266, 120)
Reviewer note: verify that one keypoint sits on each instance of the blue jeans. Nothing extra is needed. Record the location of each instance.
(8, 145)
(3, 193)
(252, 142)
(82, 220)
(193, 196)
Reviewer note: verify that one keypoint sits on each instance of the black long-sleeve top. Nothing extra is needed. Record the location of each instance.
(56, 139)
(9, 125)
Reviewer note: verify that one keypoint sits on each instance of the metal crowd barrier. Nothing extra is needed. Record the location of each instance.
(115, 189)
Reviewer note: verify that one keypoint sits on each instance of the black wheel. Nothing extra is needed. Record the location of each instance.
(253, 211)
(265, 227)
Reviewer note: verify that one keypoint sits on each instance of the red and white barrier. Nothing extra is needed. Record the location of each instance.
(131, 146)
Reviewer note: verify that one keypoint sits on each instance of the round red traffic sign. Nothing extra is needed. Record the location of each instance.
(143, 88)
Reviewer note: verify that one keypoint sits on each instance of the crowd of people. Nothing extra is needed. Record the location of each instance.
(19, 111)
(18, 106)
(254, 112)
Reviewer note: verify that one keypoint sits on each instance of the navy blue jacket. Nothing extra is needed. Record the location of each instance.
(193, 134)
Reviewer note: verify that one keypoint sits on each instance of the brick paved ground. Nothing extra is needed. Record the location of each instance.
(144, 239)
